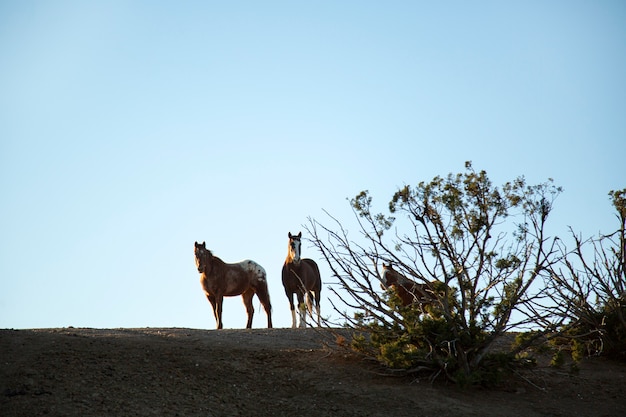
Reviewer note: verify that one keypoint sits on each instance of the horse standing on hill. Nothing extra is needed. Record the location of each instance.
(302, 277)
(219, 280)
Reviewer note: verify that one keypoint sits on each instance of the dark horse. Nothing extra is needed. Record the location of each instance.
(408, 291)
(302, 277)
(219, 280)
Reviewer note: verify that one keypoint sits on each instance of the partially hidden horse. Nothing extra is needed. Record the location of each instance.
(219, 280)
(409, 291)
(301, 277)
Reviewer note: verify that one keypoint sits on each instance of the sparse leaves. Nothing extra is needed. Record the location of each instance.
(589, 287)
(450, 234)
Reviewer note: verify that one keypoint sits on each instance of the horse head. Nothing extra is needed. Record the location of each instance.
(390, 275)
(408, 290)
(294, 248)
(201, 253)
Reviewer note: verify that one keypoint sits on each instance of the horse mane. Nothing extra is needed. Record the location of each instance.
(216, 262)
(289, 259)
(399, 278)
(217, 265)
(407, 289)
(403, 279)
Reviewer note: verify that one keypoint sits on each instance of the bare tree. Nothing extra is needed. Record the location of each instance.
(589, 288)
(480, 248)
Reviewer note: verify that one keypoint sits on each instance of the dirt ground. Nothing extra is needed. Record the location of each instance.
(261, 372)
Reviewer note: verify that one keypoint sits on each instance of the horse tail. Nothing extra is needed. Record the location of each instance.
(262, 291)
(263, 294)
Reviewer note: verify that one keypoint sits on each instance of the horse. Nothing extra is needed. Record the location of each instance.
(409, 291)
(302, 277)
(219, 280)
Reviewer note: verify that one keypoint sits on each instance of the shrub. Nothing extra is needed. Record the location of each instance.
(451, 235)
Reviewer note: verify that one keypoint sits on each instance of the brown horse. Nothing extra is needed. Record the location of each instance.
(302, 277)
(408, 291)
(219, 280)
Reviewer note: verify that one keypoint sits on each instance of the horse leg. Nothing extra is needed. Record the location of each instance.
(247, 301)
(219, 300)
(319, 313)
(301, 308)
(309, 304)
(292, 308)
(213, 302)
(316, 299)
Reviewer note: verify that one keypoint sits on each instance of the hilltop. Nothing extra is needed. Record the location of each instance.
(260, 372)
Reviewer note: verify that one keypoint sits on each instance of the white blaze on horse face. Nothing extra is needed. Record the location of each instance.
(385, 277)
(294, 249)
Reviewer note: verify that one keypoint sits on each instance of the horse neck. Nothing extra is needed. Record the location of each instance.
(390, 277)
(399, 279)
(216, 263)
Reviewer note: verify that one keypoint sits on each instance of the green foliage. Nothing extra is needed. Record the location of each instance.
(429, 343)
(597, 328)
(618, 199)
(449, 234)
(482, 253)
(531, 341)
(597, 332)
(557, 359)
(601, 333)
(468, 201)
(362, 205)
(510, 262)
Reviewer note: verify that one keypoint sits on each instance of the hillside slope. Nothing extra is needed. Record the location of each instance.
(258, 372)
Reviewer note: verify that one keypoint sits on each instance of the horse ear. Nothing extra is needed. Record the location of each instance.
(300, 234)
(289, 234)
(204, 244)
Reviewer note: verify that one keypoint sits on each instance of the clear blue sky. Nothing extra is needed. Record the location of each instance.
(130, 129)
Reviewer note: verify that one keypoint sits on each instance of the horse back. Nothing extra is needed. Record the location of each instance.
(254, 269)
(234, 279)
(411, 292)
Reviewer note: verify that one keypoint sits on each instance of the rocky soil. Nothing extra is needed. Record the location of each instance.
(261, 372)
